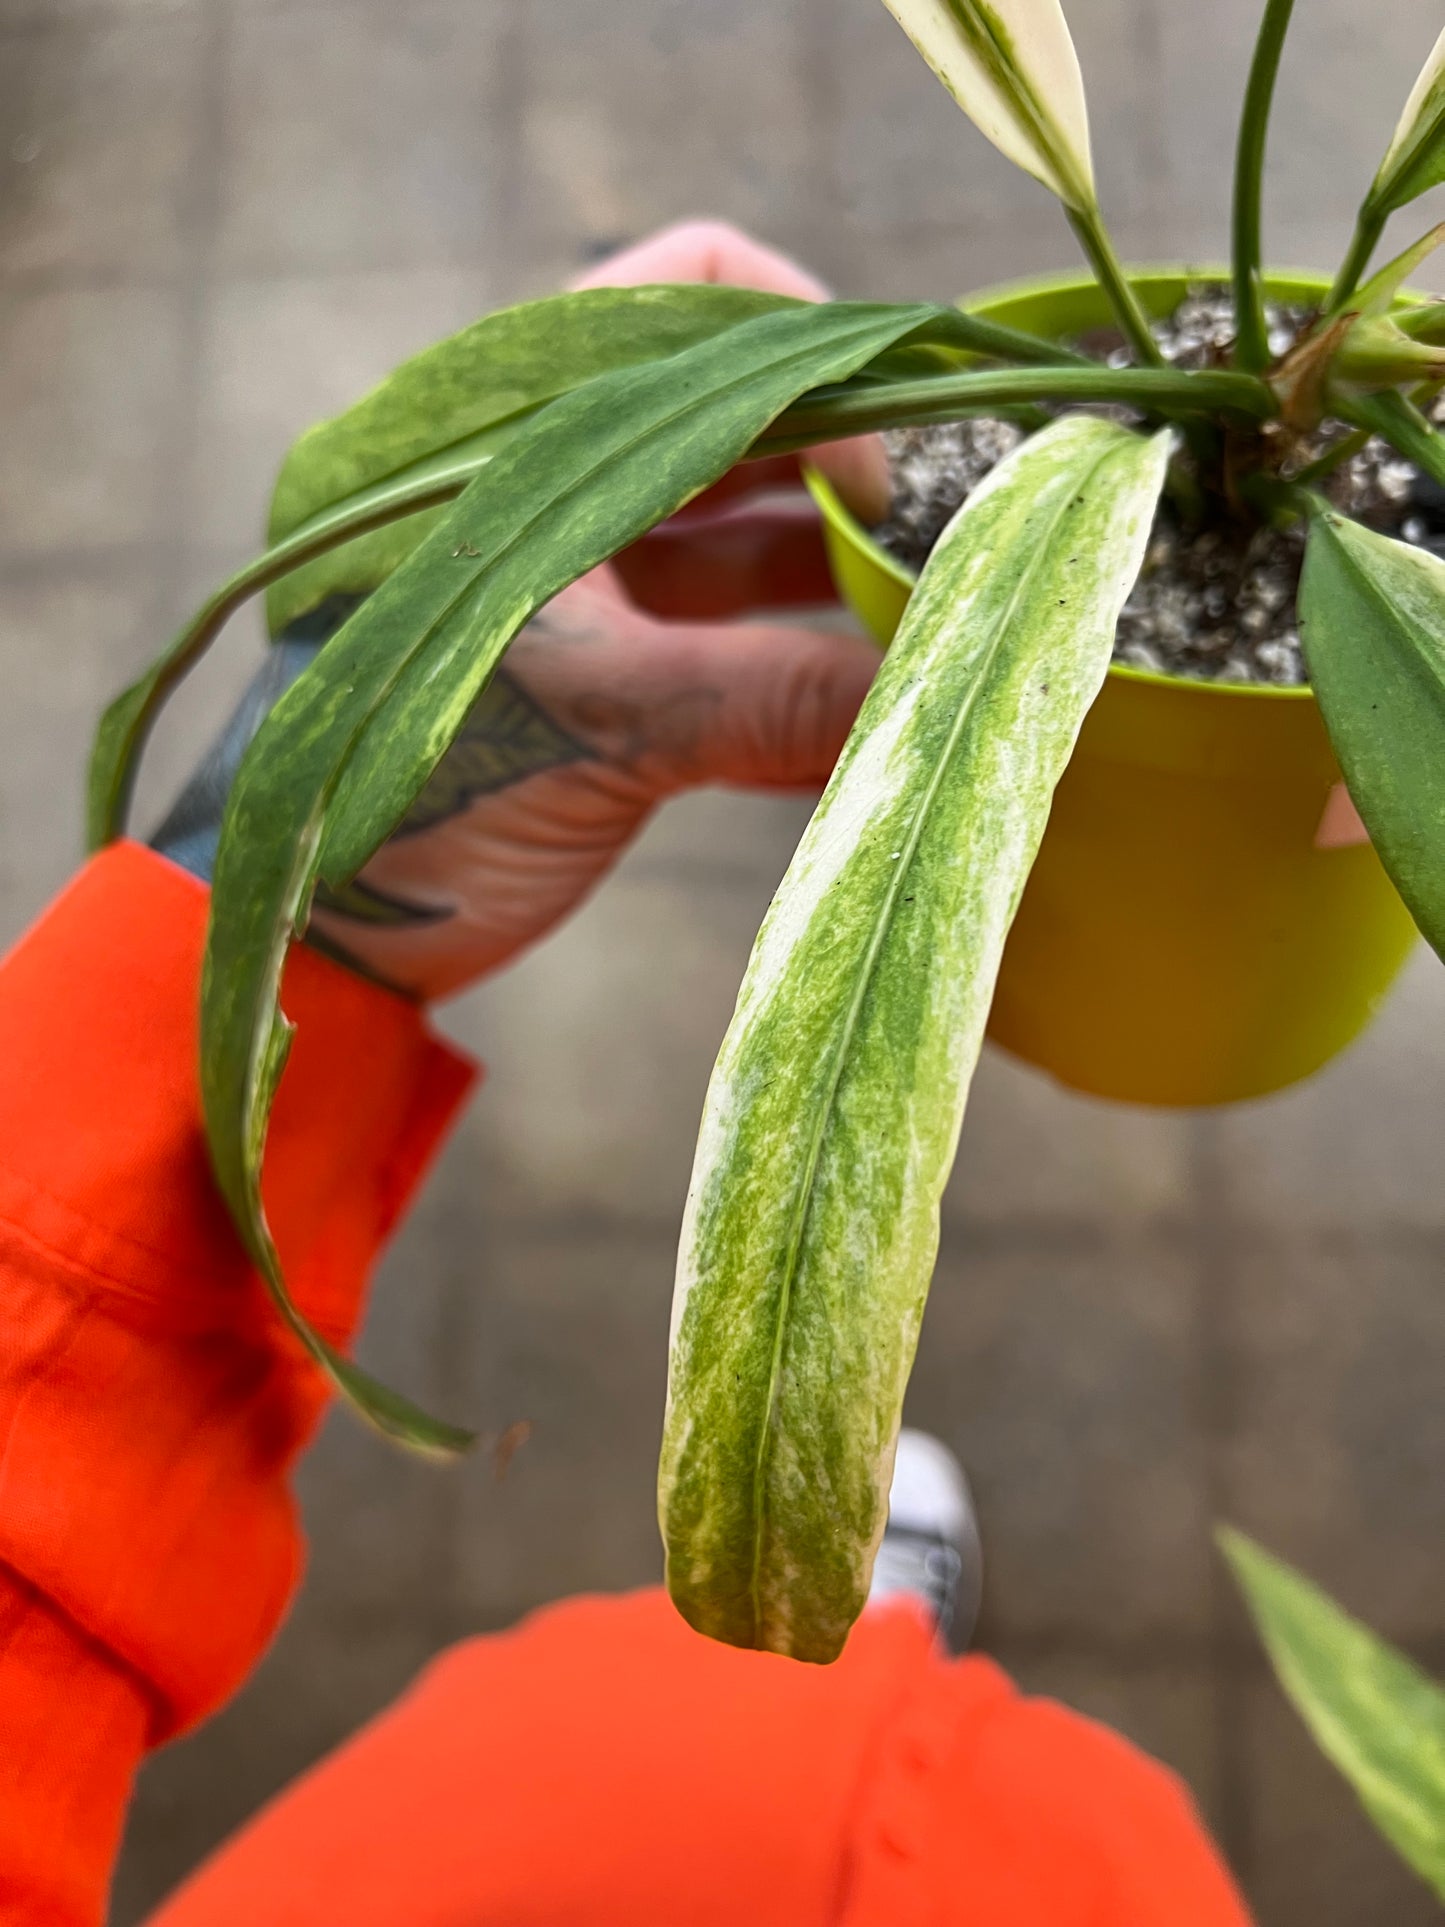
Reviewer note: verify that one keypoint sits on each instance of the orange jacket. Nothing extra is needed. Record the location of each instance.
(600, 1764)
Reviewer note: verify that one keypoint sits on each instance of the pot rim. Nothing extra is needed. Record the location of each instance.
(1156, 283)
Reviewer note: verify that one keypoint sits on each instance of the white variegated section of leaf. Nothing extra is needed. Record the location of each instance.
(1421, 126)
(834, 1110)
(1373, 1713)
(1012, 68)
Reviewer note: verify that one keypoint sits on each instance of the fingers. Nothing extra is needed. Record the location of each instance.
(780, 703)
(748, 478)
(742, 556)
(705, 251)
(715, 251)
(858, 470)
(601, 590)
(774, 549)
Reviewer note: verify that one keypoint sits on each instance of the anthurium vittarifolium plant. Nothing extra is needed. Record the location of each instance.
(490, 472)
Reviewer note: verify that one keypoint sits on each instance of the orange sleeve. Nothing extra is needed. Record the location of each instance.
(151, 1405)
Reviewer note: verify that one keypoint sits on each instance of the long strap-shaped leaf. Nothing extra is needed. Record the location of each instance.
(356, 494)
(1012, 68)
(833, 1113)
(453, 400)
(129, 718)
(1415, 158)
(343, 755)
(462, 397)
(1374, 1714)
(359, 538)
(1372, 620)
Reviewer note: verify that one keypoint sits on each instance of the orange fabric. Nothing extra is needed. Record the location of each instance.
(603, 1766)
(150, 1402)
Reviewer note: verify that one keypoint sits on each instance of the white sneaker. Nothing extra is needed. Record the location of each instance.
(930, 1545)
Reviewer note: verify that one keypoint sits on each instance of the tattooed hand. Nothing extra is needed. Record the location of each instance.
(630, 686)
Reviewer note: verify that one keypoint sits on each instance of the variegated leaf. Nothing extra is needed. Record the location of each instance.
(1012, 68)
(345, 753)
(464, 397)
(833, 1113)
(1415, 158)
(1372, 621)
(1373, 1713)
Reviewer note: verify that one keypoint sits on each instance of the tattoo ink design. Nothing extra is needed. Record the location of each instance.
(507, 737)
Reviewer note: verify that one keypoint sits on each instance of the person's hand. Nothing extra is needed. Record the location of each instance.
(637, 682)
(717, 252)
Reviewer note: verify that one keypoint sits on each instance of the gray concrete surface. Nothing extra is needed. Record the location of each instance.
(222, 218)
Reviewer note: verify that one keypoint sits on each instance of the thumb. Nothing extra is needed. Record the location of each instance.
(778, 703)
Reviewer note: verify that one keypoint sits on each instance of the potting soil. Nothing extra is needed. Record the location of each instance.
(1215, 602)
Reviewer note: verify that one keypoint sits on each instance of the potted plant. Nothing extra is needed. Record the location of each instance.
(490, 472)
(1222, 923)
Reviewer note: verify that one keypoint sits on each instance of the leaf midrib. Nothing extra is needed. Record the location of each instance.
(806, 1194)
(1015, 88)
(1430, 128)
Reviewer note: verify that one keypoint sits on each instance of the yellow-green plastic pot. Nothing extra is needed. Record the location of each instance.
(1184, 939)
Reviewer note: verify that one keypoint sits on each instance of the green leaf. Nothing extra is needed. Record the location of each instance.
(1382, 291)
(1372, 621)
(358, 493)
(833, 1113)
(1415, 158)
(1376, 1716)
(463, 398)
(345, 752)
(128, 720)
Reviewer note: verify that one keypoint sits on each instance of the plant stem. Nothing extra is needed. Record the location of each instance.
(1274, 502)
(826, 415)
(1088, 224)
(1327, 463)
(1390, 414)
(1251, 347)
(1369, 226)
(829, 414)
(128, 720)
(1001, 343)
